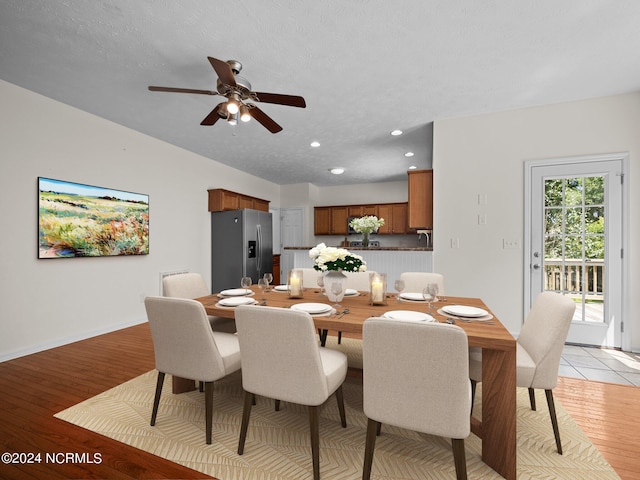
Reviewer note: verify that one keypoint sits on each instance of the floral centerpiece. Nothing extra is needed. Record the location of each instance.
(332, 262)
(366, 225)
(332, 258)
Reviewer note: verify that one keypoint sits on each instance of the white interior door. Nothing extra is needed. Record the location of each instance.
(575, 243)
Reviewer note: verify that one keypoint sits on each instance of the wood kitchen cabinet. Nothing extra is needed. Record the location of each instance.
(420, 210)
(339, 219)
(395, 218)
(333, 220)
(322, 221)
(362, 210)
(221, 200)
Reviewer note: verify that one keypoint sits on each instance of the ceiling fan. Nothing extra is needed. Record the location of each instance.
(238, 93)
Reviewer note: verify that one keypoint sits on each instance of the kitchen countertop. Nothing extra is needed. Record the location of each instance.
(386, 249)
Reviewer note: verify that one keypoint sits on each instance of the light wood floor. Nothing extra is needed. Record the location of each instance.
(35, 387)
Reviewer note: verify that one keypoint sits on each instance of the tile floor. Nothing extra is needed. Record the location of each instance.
(600, 364)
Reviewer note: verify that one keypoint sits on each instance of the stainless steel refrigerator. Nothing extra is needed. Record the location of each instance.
(241, 246)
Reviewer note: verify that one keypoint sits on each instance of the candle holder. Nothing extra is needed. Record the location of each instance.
(378, 288)
(294, 284)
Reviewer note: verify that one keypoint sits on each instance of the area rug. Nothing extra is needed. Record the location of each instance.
(277, 446)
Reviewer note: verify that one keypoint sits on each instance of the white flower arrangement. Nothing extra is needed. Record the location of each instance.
(332, 258)
(366, 224)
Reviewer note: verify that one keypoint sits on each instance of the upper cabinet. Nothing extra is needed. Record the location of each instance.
(221, 199)
(330, 220)
(420, 198)
(334, 220)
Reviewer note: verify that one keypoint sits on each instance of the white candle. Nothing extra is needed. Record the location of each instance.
(377, 292)
(295, 284)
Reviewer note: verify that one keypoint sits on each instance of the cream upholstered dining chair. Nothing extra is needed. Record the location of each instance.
(415, 376)
(281, 359)
(538, 351)
(358, 280)
(192, 285)
(416, 281)
(310, 277)
(185, 346)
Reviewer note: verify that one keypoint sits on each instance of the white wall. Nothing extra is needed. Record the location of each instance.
(49, 302)
(485, 155)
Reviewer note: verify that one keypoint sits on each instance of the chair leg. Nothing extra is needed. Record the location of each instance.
(370, 444)
(246, 413)
(340, 400)
(459, 458)
(277, 405)
(201, 386)
(532, 398)
(339, 338)
(314, 429)
(554, 419)
(208, 410)
(473, 393)
(156, 400)
(379, 429)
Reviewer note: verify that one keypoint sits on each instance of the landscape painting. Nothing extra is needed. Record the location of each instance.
(77, 220)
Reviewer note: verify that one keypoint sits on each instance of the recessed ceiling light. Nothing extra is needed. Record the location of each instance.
(337, 170)
(315, 144)
(395, 133)
(412, 167)
(408, 154)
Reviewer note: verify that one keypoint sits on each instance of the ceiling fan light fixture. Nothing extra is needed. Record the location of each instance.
(232, 119)
(232, 107)
(245, 116)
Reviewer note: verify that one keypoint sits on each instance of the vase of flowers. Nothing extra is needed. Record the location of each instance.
(332, 262)
(366, 225)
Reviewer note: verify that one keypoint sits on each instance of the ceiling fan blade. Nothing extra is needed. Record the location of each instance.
(181, 90)
(213, 117)
(223, 69)
(266, 121)
(290, 100)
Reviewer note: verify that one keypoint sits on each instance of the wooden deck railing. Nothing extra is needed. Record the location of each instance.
(575, 277)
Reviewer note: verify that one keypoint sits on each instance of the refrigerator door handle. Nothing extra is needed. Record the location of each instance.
(259, 248)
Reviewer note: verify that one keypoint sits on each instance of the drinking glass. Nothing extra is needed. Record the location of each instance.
(432, 291)
(262, 285)
(399, 286)
(336, 289)
(321, 283)
(268, 277)
(245, 282)
(427, 296)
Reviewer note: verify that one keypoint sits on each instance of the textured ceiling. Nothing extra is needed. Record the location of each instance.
(365, 67)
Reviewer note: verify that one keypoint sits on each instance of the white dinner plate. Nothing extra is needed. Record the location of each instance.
(312, 308)
(415, 297)
(349, 292)
(235, 301)
(281, 288)
(464, 311)
(409, 316)
(236, 292)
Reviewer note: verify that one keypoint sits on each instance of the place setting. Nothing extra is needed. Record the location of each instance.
(234, 297)
(409, 316)
(314, 309)
(466, 313)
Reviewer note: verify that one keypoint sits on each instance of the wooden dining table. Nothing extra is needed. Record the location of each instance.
(497, 427)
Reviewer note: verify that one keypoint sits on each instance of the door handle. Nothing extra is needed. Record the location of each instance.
(536, 266)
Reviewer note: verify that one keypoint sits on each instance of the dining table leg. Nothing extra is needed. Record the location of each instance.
(498, 427)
